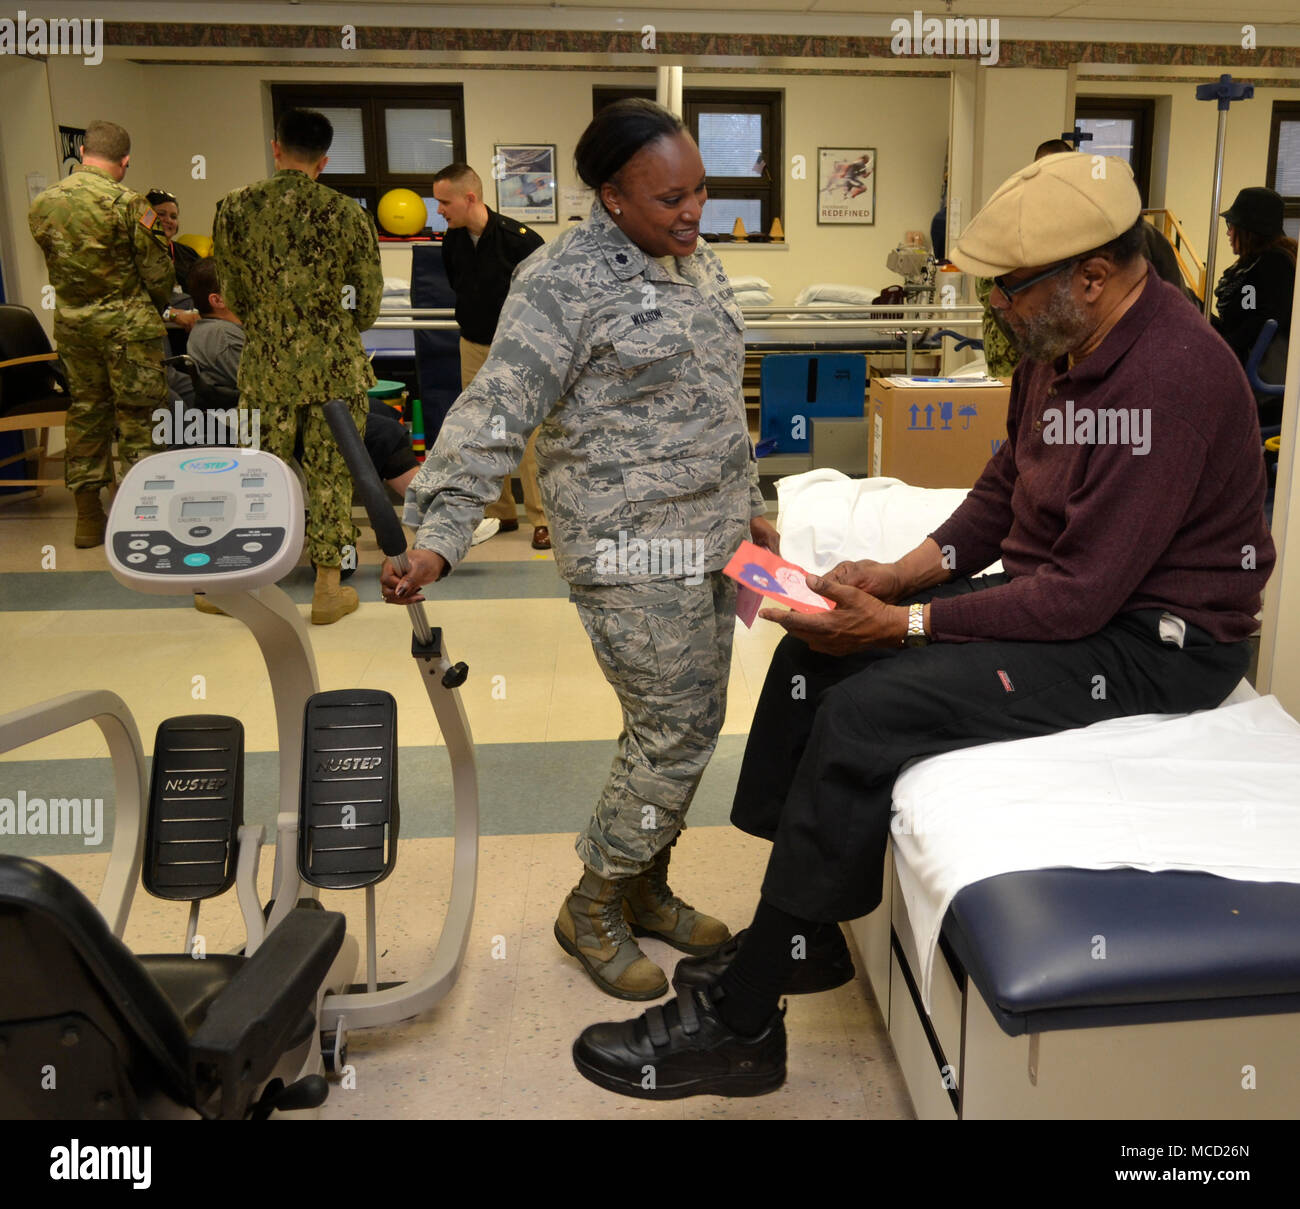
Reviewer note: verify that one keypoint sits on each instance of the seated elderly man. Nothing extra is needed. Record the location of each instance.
(1126, 506)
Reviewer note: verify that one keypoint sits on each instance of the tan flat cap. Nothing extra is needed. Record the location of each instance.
(1048, 211)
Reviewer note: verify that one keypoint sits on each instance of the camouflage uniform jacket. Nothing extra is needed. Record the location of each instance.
(106, 255)
(1002, 356)
(299, 265)
(635, 381)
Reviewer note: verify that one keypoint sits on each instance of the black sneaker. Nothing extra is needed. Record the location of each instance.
(828, 964)
(682, 1049)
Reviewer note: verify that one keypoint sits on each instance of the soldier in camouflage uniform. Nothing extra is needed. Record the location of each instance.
(108, 264)
(1002, 356)
(299, 263)
(621, 344)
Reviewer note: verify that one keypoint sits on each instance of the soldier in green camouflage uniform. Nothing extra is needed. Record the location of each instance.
(628, 363)
(1002, 356)
(299, 264)
(108, 263)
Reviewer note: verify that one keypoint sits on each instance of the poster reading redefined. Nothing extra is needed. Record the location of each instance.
(846, 185)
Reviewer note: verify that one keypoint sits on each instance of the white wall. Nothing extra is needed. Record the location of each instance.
(222, 113)
(1018, 109)
(1183, 181)
(1279, 649)
(27, 144)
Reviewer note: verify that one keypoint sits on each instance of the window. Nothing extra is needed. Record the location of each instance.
(384, 137)
(739, 135)
(1122, 127)
(1284, 161)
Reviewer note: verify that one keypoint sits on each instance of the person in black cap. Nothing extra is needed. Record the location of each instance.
(1257, 287)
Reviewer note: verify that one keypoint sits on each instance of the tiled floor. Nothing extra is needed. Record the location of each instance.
(497, 1046)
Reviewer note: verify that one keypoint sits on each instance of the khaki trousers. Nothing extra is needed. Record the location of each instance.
(472, 357)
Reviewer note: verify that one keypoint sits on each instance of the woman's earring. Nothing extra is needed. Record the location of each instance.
(618, 211)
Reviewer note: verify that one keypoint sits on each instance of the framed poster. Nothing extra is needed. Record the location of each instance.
(846, 185)
(525, 177)
(70, 138)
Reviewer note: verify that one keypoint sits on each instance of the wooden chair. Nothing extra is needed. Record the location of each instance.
(33, 391)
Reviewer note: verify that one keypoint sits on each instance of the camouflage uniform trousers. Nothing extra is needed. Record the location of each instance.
(113, 385)
(329, 483)
(665, 647)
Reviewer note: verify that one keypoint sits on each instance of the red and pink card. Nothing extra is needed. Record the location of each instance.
(760, 572)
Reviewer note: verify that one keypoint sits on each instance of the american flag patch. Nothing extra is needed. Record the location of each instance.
(1006, 681)
(148, 218)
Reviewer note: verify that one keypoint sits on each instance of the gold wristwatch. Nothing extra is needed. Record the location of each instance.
(916, 635)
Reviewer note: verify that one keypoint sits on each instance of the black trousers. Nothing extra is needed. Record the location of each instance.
(831, 733)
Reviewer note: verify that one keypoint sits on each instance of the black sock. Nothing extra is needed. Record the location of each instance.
(753, 982)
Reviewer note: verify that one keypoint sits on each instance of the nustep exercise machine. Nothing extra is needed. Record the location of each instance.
(228, 523)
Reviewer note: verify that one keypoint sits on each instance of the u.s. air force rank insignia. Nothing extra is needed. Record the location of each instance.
(148, 218)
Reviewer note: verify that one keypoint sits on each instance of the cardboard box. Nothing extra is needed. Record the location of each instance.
(935, 436)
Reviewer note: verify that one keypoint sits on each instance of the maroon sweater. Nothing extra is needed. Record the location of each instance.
(1089, 525)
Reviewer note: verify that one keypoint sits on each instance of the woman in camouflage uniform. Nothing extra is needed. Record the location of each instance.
(621, 340)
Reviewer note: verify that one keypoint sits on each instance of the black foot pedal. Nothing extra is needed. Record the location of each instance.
(348, 814)
(196, 807)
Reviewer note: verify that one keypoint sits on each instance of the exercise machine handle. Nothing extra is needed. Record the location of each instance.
(388, 529)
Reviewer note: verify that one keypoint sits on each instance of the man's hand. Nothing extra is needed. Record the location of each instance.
(881, 580)
(424, 566)
(859, 619)
(763, 533)
(185, 319)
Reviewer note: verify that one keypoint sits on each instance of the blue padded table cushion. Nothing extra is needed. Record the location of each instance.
(1178, 946)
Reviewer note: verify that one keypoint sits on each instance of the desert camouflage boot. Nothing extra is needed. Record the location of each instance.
(591, 928)
(654, 910)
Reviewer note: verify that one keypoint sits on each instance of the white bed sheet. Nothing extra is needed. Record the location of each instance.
(825, 517)
(1216, 791)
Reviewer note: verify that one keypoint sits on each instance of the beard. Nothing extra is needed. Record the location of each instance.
(1061, 325)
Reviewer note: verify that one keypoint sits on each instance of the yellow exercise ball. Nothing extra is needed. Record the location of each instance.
(202, 244)
(402, 212)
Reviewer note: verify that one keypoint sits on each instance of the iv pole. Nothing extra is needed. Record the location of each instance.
(1224, 92)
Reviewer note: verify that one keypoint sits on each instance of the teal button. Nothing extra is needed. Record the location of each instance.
(196, 560)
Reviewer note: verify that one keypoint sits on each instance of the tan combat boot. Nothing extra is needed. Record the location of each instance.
(591, 928)
(330, 601)
(91, 521)
(654, 910)
(204, 605)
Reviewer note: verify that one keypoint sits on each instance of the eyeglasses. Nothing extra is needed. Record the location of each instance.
(1010, 291)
